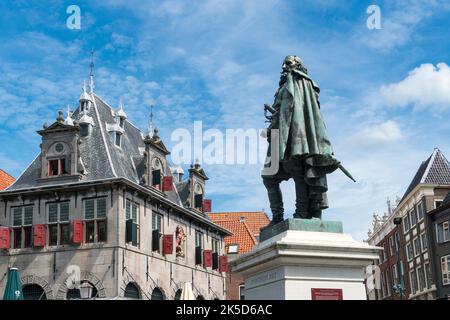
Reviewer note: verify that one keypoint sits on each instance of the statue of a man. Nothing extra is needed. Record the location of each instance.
(304, 153)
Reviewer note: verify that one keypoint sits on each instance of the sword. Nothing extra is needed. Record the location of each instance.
(346, 172)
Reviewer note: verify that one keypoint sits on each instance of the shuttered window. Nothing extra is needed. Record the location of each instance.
(89, 209)
(95, 214)
(131, 210)
(101, 208)
(64, 211)
(58, 211)
(52, 212)
(22, 220)
(17, 217)
(28, 216)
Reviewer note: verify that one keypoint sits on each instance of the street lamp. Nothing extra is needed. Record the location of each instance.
(399, 287)
(86, 290)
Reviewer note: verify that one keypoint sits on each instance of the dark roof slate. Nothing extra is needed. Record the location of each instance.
(434, 170)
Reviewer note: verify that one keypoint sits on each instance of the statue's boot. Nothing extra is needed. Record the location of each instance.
(275, 198)
(315, 209)
(302, 201)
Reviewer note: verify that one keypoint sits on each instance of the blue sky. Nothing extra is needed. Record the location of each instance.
(385, 96)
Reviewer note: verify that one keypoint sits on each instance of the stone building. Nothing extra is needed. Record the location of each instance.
(439, 231)
(100, 206)
(245, 227)
(425, 193)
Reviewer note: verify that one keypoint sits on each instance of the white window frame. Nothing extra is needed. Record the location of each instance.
(418, 279)
(406, 226)
(420, 204)
(445, 225)
(409, 254)
(422, 236)
(416, 252)
(411, 213)
(445, 270)
(428, 275)
(436, 201)
(413, 280)
(58, 221)
(96, 219)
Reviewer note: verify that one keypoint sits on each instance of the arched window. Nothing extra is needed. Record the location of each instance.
(200, 297)
(157, 294)
(198, 196)
(33, 292)
(157, 172)
(177, 295)
(75, 293)
(132, 291)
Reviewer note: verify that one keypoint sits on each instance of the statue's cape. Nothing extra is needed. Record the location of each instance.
(302, 131)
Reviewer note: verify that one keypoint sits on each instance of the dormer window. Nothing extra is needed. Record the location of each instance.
(121, 122)
(198, 197)
(156, 173)
(57, 167)
(118, 139)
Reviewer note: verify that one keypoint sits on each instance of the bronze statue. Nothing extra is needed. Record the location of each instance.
(302, 147)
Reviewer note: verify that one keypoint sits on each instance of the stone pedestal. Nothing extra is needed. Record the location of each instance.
(301, 259)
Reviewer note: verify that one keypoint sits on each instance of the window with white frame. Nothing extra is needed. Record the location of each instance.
(157, 231)
(395, 274)
(437, 203)
(413, 217)
(95, 213)
(442, 232)
(406, 225)
(413, 281)
(397, 241)
(388, 282)
(428, 275)
(445, 269)
(420, 211)
(22, 222)
(409, 251)
(383, 285)
(421, 278)
(131, 211)
(58, 223)
(391, 245)
(417, 248)
(424, 241)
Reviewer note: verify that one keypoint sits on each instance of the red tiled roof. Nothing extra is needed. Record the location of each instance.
(244, 226)
(5, 180)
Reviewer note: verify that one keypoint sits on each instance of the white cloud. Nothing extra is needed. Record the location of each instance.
(398, 22)
(383, 132)
(425, 86)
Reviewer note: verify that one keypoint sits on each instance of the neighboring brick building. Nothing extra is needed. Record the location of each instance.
(245, 227)
(426, 192)
(100, 200)
(5, 180)
(439, 235)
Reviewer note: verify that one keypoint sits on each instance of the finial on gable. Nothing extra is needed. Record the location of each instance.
(91, 73)
(69, 120)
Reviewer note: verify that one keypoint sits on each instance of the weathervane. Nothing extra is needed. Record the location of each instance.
(91, 74)
(150, 121)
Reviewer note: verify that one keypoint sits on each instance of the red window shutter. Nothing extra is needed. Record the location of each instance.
(223, 264)
(39, 235)
(167, 183)
(77, 231)
(207, 205)
(207, 258)
(167, 244)
(4, 238)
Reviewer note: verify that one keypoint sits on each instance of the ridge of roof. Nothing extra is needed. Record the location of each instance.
(103, 135)
(434, 170)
